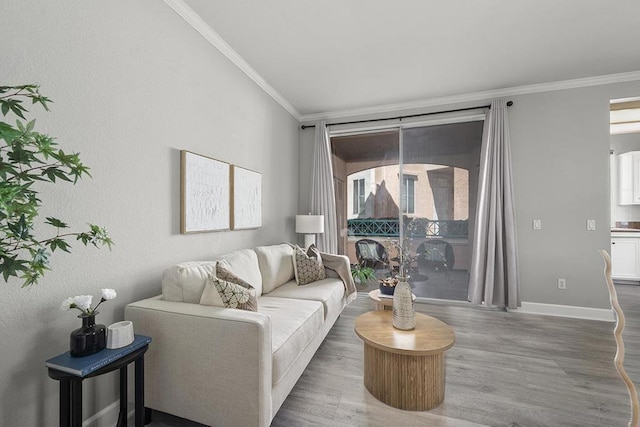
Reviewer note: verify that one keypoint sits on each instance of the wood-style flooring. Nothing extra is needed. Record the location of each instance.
(505, 369)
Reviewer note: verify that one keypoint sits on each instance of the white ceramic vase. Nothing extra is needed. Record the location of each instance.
(404, 312)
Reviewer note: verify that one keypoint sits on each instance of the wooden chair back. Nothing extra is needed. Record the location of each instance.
(617, 332)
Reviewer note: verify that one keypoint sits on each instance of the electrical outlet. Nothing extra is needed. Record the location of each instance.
(537, 224)
(591, 224)
(562, 284)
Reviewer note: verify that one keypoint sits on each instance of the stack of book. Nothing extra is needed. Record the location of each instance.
(385, 296)
(83, 366)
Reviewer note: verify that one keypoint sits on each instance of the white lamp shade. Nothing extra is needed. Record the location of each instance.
(309, 224)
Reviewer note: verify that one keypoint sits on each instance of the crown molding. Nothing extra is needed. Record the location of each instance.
(193, 19)
(474, 96)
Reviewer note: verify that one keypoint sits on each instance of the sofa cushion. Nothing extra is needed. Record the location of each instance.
(230, 294)
(294, 323)
(307, 267)
(185, 282)
(244, 264)
(275, 265)
(330, 292)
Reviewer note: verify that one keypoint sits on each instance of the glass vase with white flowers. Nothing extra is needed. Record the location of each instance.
(91, 337)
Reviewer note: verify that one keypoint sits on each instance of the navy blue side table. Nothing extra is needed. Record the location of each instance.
(71, 371)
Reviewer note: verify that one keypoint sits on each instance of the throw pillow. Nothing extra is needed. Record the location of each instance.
(229, 276)
(223, 293)
(314, 252)
(307, 267)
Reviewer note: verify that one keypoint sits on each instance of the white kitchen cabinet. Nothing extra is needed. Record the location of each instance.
(625, 256)
(629, 178)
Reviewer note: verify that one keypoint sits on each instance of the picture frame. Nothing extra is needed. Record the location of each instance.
(205, 189)
(246, 205)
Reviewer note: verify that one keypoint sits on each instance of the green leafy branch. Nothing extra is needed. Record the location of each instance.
(28, 157)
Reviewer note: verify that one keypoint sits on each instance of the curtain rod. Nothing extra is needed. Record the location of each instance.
(509, 104)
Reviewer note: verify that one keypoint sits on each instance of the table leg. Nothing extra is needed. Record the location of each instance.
(65, 403)
(139, 386)
(76, 403)
(122, 415)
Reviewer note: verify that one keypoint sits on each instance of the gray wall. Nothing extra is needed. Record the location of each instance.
(620, 144)
(560, 155)
(132, 84)
(560, 143)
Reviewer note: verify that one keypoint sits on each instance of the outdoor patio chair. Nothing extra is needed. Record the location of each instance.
(436, 254)
(371, 253)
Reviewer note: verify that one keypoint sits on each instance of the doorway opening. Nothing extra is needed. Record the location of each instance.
(625, 190)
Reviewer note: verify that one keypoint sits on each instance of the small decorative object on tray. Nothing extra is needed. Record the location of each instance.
(388, 285)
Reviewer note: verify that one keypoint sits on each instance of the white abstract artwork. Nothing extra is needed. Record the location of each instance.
(247, 199)
(206, 190)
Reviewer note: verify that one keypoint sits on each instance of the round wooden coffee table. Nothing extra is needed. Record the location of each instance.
(404, 369)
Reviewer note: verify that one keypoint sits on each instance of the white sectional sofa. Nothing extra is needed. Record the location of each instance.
(230, 367)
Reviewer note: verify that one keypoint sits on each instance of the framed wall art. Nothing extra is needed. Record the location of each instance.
(246, 206)
(205, 193)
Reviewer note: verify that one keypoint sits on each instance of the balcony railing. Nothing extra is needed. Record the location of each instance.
(421, 227)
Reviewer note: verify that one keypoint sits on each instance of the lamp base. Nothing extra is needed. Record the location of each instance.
(309, 239)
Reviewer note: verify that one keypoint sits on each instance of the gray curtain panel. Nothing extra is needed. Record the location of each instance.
(323, 201)
(494, 273)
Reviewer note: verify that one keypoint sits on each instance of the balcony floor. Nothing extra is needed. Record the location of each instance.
(429, 283)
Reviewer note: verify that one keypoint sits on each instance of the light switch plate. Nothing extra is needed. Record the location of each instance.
(537, 224)
(591, 224)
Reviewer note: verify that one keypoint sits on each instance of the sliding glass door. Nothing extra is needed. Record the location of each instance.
(440, 165)
(363, 164)
(417, 186)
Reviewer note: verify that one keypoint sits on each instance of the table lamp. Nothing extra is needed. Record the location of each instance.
(309, 225)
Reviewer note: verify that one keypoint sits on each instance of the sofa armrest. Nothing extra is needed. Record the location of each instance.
(207, 364)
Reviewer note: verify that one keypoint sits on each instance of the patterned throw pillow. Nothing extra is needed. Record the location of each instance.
(233, 296)
(307, 267)
(227, 275)
(224, 293)
(224, 274)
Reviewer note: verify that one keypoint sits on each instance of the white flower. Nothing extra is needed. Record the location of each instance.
(67, 304)
(83, 302)
(108, 294)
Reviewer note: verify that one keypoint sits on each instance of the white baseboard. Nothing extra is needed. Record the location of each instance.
(108, 417)
(572, 311)
(602, 314)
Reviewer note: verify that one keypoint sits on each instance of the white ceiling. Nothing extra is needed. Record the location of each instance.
(338, 57)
